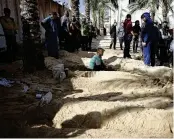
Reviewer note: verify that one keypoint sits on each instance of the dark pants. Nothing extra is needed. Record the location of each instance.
(65, 39)
(153, 53)
(11, 47)
(99, 67)
(171, 58)
(90, 42)
(127, 42)
(52, 44)
(135, 44)
(149, 52)
(163, 55)
(158, 51)
(113, 42)
(84, 43)
(73, 43)
(121, 40)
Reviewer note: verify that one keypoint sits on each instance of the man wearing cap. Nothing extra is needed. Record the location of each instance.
(96, 63)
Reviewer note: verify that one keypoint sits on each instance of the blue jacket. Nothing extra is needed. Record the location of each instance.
(149, 33)
(96, 63)
(51, 25)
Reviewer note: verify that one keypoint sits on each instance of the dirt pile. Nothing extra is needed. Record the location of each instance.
(134, 101)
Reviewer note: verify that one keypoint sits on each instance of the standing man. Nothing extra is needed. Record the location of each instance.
(91, 32)
(74, 34)
(136, 33)
(164, 43)
(157, 42)
(128, 36)
(65, 21)
(51, 24)
(9, 28)
(113, 33)
(121, 35)
(85, 34)
(150, 37)
(104, 31)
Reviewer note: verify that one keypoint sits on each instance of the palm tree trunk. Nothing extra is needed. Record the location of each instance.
(102, 16)
(165, 9)
(87, 10)
(33, 57)
(75, 8)
(99, 23)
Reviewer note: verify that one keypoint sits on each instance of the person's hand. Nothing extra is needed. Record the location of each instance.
(70, 33)
(143, 44)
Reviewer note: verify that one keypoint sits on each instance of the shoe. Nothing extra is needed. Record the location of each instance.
(129, 57)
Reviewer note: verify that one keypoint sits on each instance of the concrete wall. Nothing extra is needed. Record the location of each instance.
(123, 10)
(111, 17)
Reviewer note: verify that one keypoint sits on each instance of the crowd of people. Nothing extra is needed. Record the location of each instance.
(60, 32)
(153, 38)
(67, 33)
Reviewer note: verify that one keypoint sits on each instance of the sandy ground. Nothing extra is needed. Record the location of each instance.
(105, 104)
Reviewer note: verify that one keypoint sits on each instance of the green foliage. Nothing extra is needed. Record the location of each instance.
(139, 4)
(153, 5)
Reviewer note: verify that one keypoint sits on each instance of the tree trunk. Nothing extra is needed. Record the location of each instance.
(33, 57)
(94, 18)
(75, 9)
(102, 16)
(87, 10)
(99, 22)
(165, 9)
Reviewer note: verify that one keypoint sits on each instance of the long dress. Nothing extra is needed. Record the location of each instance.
(52, 33)
(2, 38)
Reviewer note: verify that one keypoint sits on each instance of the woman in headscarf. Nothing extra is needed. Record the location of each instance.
(150, 37)
(74, 30)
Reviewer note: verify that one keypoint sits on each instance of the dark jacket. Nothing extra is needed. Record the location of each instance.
(128, 27)
(150, 32)
(65, 23)
(137, 29)
(113, 31)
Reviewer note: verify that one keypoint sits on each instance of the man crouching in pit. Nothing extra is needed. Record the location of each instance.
(96, 63)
